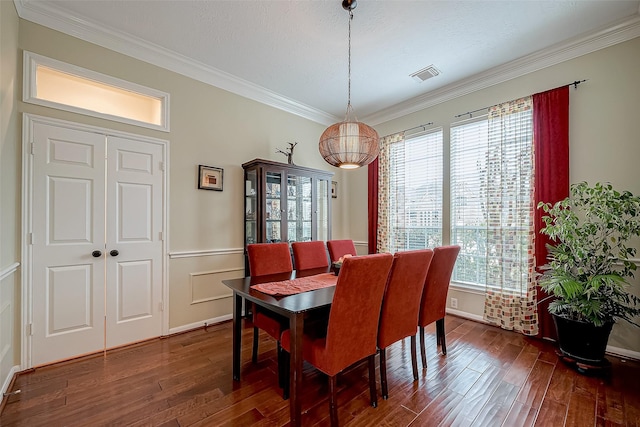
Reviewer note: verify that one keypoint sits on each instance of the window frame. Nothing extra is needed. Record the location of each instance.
(457, 283)
(407, 218)
(31, 61)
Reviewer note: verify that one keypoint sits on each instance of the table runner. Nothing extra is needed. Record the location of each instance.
(296, 286)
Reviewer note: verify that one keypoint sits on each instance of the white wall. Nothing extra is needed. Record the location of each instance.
(603, 137)
(9, 194)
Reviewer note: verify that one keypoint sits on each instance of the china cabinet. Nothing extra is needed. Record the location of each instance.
(285, 203)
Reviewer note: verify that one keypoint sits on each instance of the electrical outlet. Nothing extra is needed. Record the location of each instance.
(454, 302)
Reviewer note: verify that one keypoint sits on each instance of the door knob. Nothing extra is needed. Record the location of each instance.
(96, 254)
(114, 252)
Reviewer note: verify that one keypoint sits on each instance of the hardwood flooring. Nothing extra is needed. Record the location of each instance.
(489, 377)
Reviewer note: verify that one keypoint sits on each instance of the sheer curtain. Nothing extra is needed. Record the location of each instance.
(384, 168)
(510, 295)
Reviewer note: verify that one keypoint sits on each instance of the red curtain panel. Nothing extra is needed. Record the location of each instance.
(551, 148)
(373, 206)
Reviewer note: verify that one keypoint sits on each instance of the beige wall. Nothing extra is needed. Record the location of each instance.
(604, 138)
(9, 193)
(214, 127)
(208, 126)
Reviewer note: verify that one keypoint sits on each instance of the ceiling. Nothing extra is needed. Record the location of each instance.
(293, 54)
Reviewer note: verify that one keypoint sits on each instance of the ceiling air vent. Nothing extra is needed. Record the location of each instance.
(425, 73)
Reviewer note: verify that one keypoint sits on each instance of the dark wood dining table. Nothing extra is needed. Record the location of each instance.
(294, 308)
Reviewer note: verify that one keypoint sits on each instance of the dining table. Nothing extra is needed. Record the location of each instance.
(292, 306)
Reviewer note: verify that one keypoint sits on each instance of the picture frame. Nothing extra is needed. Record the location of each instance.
(334, 190)
(210, 178)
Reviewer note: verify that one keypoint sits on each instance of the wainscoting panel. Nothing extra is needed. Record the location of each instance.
(8, 343)
(207, 285)
(196, 292)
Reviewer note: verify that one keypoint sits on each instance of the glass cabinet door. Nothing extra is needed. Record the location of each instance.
(322, 209)
(299, 209)
(251, 207)
(274, 207)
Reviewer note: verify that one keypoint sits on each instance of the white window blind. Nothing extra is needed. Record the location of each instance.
(468, 220)
(415, 192)
(491, 198)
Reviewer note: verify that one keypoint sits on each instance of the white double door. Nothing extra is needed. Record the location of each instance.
(97, 210)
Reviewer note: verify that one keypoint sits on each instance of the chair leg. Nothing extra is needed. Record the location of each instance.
(285, 361)
(440, 329)
(254, 357)
(280, 355)
(372, 381)
(422, 349)
(383, 373)
(333, 401)
(414, 359)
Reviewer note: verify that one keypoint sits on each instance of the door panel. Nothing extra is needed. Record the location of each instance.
(67, 226)
(97, 216)
(70, 218)
(134, 290)
(69, 287)
(134, 277)
(135, 204)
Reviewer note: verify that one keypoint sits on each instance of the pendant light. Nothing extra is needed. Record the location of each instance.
(349, 144)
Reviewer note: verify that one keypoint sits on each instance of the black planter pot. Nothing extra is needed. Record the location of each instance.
(583, 342)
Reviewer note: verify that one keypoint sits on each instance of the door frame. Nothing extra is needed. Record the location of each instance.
(28, 122)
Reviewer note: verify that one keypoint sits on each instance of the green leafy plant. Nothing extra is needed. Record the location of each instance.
(588, 262)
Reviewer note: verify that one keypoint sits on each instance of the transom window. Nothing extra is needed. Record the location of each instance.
(63, 86)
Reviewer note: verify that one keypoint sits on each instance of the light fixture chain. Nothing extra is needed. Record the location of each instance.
(349, 56)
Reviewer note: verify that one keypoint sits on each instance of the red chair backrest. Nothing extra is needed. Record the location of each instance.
(353, 320)
(307, 255)
(434, 296)
(402, 296)
(269, 258)
(340, 248)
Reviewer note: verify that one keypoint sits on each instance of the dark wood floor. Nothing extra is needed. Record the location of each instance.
(490, 377)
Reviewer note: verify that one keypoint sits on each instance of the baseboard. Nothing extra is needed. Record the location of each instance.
(7, 381)
(202, 323)
(623, 352)
(465, 315)
(612, 351)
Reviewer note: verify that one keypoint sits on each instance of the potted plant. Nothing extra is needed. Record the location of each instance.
(589, 267)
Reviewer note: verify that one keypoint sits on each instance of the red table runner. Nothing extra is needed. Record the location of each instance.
(297, 286)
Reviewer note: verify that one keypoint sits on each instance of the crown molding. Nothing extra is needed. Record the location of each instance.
(44, 14)
(618, 32)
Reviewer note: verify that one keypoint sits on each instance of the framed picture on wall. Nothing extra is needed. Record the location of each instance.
(334, 189)
(210, 178)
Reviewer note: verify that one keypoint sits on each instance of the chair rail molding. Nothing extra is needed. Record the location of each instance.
(7, 271)
(205, 252)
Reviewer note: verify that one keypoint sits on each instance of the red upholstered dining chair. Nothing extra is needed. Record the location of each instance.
(340, 248)
(269, 259)
(400, 306)
(434, 296)
(309, 255)
(352, 329)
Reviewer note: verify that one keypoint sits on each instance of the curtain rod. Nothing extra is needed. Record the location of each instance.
(407, 130)
(469, 113)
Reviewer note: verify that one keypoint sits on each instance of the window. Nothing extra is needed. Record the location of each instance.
(415, 192)
(491, 199)
(468, 219)
(66, 87)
